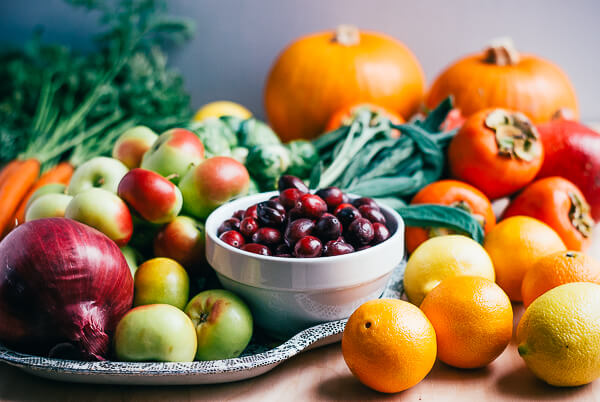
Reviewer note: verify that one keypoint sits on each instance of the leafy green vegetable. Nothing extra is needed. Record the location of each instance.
(253, 132)
(304, 156)
(266, 163)
(54, 100)
(240, 154)
(215, 135)
(365, 158)
(430, 215)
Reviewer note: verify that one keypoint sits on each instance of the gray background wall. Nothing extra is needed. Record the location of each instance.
(237, 40)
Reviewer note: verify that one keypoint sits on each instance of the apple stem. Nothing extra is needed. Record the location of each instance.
(172, 176)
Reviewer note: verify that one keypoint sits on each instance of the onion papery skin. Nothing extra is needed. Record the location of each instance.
(64, 286)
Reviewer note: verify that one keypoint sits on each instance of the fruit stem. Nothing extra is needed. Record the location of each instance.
(502, 52)
(516, 137)
(579, 214)
(347, 35)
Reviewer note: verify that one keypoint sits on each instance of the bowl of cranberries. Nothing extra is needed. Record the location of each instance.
(303, 257)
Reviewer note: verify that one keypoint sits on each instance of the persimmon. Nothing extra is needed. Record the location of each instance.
(496, 150)
(455, 194)
(561, 205)
(345, 115)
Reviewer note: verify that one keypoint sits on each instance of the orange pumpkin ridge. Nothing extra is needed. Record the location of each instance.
(322, 72)
(501, 77)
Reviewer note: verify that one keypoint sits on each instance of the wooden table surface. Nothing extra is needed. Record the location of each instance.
(321, 374)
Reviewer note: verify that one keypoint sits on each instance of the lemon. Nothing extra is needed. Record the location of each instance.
(559, 335)
(442, 257)
(222, 108)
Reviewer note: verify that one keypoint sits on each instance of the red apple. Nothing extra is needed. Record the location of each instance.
(572, 151)
(133, 144)
(173, 153)
(211, 184)
(153, 197)
(104, 211)
(183, 240)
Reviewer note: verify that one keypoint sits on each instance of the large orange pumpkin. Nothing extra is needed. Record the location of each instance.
(501, 77)
(320, 73)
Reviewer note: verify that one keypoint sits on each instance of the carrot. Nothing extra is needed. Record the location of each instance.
(60, 173)
(8, 169)
(13, 188)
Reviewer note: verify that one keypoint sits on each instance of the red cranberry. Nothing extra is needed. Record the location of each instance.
(372, 214)
(251, 212)
(289, 197)
(268, 236)
(311, 206)
(270, 213)
(294, 214)
(227, 225)
(332, 196)
(256, 249)
(283, 251)
(382, 233)
(288, 181)
(239, 214)
(297, 230)
(342, 206)
(348, 215)
(328, 228)
(337, 247)
(233, 238)
(365, 201)
(360, 232)
(308, 247)
(248, 227)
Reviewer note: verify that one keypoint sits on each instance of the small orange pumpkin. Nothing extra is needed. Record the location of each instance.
(320, 73)
(501, 77)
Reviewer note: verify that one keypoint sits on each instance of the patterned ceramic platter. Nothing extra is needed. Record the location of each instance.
(262, 355)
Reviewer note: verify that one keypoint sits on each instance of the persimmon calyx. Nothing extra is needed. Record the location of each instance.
(580, 216)
(347, 35)
(501, 52)
(516, 137)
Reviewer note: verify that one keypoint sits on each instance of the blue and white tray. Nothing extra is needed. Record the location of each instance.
(260, 356)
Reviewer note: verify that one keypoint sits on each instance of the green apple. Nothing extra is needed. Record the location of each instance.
(100, 172)
(131, 256)
(173, 153)
(161, 281)
(157, 332)
(103, 211)
(211, 184)
(133, 144)
(52, 188)
(223, 324)
(48, 206)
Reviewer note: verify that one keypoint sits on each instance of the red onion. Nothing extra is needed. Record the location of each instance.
(64, 286)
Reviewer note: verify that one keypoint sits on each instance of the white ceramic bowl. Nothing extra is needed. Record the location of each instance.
(287, 295)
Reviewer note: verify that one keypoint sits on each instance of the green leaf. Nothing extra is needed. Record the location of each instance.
(430, 215)
(315, 175)
(436, 117)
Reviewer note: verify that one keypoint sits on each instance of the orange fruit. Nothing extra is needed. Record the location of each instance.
(557, 269)
(389, 345)
(472, 318)
(514, 245)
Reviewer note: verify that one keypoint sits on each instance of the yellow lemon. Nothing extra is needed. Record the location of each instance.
(442, 257)
(222, 108)
(559, 335)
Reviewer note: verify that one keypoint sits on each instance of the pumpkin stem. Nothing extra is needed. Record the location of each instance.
(347, 35)
(502, 52)
(516, 137)
(564, 113)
